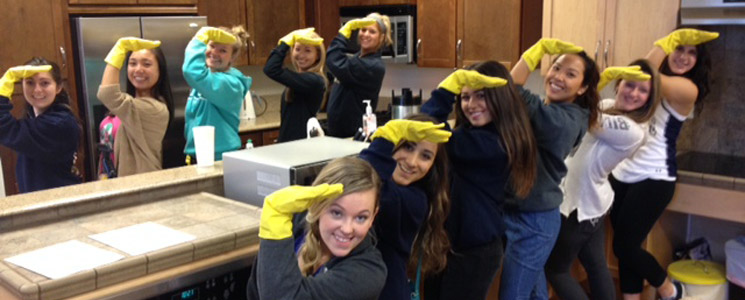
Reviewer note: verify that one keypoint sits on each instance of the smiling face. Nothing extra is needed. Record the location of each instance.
(345, 223)
(40, 91)
(143, 72)
(304, 56)
(564, 79)
(473, 104)
(219, 56)
(683, 59)
(413, 161)
(370, 38)
(632, 95)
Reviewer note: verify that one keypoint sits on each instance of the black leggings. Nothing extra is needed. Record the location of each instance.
(584, 240)
(468, 274)
(636, 208)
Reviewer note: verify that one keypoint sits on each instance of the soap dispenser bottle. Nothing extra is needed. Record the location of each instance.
(369, 120)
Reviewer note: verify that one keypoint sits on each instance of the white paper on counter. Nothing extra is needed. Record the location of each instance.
(60, 260)
(142, 238)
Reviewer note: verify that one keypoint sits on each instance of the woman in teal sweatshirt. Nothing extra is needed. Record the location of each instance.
(217, 88)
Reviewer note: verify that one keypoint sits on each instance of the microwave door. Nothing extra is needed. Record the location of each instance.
(403, 37)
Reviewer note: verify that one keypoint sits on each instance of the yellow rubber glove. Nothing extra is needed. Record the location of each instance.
(355, 24)
(217, 35)
(118, 53)
(632, 73)
(455, 82)
(685, 37)
(276, 215)
(306, 38)
(414, 131)
(534, 54)
(15, 74)
(291, 37)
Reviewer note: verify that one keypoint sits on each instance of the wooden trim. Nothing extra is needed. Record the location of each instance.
(709, 202)
(131, 10)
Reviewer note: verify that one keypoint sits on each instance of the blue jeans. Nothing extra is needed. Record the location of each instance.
(530, 238)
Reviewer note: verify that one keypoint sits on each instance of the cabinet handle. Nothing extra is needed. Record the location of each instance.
(64, 56)
(253, 46)
(459, 52)
(597, 49)
(605, 53)
(418, 48)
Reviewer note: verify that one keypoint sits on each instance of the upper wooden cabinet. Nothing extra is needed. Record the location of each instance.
(375, 2)
(227, 14)
(614, 32)
(133, 2)
(456, 33)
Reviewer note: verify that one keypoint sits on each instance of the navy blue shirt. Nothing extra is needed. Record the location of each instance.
(46, 146)
(306, 89)
(478, 173)
(403, 210)
(359, 78)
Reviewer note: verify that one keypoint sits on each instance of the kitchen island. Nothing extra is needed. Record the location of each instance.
(187, 199)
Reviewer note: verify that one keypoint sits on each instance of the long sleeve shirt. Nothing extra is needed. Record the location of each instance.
(46, 145)
(215, 99)
(307, 92)
(139, 140)
(478, 171)
(403, 210)
(359, 78)
(557, 127)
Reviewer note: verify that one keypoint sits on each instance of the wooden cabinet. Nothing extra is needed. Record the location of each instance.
(227, 14)
(375, 2)
(614, 32)
(455, 33)
(260, 138)
(134, 2)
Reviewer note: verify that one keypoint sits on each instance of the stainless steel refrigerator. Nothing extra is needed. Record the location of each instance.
(95, 37)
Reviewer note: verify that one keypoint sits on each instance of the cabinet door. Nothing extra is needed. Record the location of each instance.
(632, 26)
(488, 30)
(436, 32)
(268, 21)
(269, 137)
(170, 2)
(126, 2)
(225, 13)
(578, 21)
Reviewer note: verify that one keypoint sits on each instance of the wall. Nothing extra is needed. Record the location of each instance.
(718, 128)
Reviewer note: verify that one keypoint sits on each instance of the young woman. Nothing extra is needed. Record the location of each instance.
(587, 192)
(144, 111)
(358, 77)
(558, 124)
(409, 157)
(305, 85)
(492, 147)
(46, 137)
(644, 183)
(332, 256)
(217, 89)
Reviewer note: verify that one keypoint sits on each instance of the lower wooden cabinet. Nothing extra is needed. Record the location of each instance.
(259, 138)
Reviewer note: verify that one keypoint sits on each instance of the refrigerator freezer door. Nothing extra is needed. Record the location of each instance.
(95, 38)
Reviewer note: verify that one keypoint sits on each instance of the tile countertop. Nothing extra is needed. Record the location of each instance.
(712, 170)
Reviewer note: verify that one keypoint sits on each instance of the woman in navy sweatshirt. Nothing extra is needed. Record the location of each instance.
(46, 137)
(358, 77)
(410, 158)
(305, 85)
(491, 147)
(559, 122)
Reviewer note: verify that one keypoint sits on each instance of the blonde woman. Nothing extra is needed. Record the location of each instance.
(358, 77)
(217, 88)
(331, 256)
(305, 85)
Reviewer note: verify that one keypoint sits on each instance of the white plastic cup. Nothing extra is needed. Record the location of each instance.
(204, 144)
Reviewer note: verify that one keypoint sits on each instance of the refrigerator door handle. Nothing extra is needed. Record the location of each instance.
(64, 56)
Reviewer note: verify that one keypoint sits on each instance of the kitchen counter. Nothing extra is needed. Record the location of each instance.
(225, 231)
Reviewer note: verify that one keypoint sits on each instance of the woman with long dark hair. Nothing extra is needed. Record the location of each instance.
(410, 158)
(492, 147)
(587, 192)
(144, 110)
(558, 124)
(644, 183)
(46, 137)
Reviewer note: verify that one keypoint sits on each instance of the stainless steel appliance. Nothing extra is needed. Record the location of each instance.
(252, 174)
(406, 104)
(712, 12)
(403, 31)
(96, 36)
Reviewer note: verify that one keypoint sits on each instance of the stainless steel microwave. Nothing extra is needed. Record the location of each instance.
(402, 33)
(249, 175)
